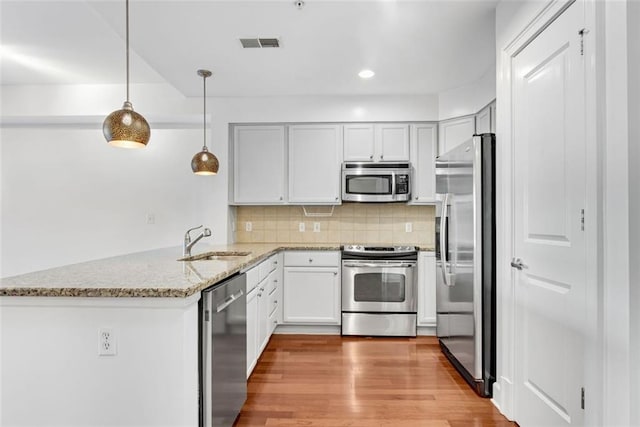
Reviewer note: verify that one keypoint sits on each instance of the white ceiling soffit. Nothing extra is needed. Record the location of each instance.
(414, 47)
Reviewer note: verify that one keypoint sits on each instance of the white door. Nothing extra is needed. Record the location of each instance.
(549, 170)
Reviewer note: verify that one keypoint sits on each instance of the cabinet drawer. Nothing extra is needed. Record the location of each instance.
(253, 278)
(272, 283)
(273, 303)
(312, 258)
(267, 266)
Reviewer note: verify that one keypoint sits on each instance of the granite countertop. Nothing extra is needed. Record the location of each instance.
(155, 273)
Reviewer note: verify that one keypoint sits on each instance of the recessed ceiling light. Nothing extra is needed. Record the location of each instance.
(366, 74)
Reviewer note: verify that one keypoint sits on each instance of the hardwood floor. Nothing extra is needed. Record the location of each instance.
(331, 381)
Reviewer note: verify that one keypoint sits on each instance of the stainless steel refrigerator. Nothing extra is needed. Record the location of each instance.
(465, 260)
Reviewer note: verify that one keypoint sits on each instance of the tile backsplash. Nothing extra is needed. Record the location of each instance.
(391, 223)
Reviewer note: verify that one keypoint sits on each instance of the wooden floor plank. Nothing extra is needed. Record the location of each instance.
(333, 381)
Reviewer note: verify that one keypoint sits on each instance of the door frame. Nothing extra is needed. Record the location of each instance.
(505, 386)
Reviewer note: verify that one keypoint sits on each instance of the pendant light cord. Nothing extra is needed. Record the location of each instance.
(127, 41)
(204, 102)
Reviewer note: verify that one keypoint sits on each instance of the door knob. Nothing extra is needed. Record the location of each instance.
(517, 263)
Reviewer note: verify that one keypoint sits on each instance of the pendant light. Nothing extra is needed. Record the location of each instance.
(204, 162)
(126, 128)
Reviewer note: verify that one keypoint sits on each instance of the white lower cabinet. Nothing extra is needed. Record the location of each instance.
(426, 289)
(311, 291)
(263, 309)
(252, 330)
(263, 316)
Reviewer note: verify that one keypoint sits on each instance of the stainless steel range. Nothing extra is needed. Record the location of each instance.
(379, 290)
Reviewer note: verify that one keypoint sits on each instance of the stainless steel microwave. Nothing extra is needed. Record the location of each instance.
(376, 182)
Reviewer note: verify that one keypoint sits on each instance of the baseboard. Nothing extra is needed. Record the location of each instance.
(308, 329)
(502, 397)
(427, 331)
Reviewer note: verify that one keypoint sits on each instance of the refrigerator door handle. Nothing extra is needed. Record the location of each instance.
(444, 230)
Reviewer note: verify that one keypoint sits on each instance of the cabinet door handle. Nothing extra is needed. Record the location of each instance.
(416, 198)
(281, 197)
(259, 295)
(381, 157)
(310, 259)
(262, 289)
(275, 301)
(335, 273)
(371, 157)
(275, 262)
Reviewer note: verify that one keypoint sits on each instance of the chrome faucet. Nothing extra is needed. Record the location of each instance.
(188, 243)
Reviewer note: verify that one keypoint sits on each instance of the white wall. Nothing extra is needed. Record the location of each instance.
(616, 290)
(633, 28)
(52, 373)
(69, 197)
(468, 99)
(66, 210)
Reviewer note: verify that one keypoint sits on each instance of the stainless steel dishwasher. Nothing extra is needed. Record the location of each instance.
(223, 355)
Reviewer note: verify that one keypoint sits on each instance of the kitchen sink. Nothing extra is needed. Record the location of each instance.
(216, 256)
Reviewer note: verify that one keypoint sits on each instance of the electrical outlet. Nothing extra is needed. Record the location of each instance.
(408, 227)
(316, 227)
(301, 227)
(151, 218)
(248, 226)
(106, 342)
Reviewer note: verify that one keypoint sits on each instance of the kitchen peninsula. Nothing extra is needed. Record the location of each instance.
(148, 301)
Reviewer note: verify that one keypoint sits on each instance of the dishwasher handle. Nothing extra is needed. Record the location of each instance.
(229, 300)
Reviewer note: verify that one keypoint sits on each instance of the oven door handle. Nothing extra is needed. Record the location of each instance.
(378, 265)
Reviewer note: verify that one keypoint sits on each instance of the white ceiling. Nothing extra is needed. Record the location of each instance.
(415, 47)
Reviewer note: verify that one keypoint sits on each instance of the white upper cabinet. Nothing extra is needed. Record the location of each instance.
(492, 106)
(424, 144)
(376, 142)
(359, 143)
(486, 119)
(259, 172)
(454, 132)
(392, 142)
(315, 154)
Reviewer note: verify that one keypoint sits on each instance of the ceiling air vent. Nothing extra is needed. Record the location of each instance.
(260, 42)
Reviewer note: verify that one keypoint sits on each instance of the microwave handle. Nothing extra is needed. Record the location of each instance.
(393, 185)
